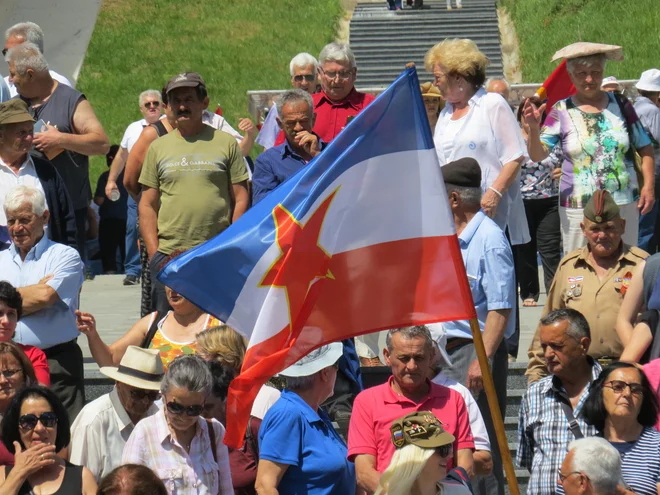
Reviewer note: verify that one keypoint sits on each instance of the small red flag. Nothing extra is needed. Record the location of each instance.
(557, 86)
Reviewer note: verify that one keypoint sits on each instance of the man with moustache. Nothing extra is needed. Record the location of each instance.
(194, 181)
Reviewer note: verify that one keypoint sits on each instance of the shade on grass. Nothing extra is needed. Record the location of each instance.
(236, 45)
(544, 26)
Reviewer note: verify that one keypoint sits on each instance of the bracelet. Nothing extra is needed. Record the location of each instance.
(495, 191)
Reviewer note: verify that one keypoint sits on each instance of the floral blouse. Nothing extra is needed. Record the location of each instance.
(536, 177)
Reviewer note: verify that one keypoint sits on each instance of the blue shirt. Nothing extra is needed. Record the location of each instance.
(274, 166)
(293, 434)
(55, 324)
(489, 265)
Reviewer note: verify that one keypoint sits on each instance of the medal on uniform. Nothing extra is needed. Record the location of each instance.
(577, 291)
(625, 283)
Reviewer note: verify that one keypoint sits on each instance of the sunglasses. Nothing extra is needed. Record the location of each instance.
(4, 51)
(29, 421)
(154, 104)
(178, 409)
(306, 77)
(152, 395)
(9, 373)
(618, 387)
(445, 450)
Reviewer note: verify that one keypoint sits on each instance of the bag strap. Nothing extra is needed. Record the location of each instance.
(566, 407)
(209, 425)
(624, 114)
(153, 328)
(460, 475)
(250, 441)
(160, 128)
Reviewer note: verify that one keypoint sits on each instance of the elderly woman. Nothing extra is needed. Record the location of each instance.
(623, 408)
(419, 464)
(34, 429)
(184, 450)
(300, 451)
(598, 133)
(432, 102)
(11, 310)
(479, 125)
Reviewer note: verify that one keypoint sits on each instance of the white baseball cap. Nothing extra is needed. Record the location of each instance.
(439, 335)
(649, 80)
(315, 361)
(610, 81)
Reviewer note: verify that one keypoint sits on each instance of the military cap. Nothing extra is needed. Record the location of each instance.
(464, 172)
(601, 207)
(422, 429)
(14, 111)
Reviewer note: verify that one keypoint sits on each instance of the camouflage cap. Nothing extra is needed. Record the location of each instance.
(601, 207)
(422, 429)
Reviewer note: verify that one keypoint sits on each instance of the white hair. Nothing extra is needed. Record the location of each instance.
(26, 56)
(587, 61)
(597, 460)
(303, 60)
(29, 31)
(20, 195)
(294, 96)
(146, 94)
(405, 467)
(337, 52)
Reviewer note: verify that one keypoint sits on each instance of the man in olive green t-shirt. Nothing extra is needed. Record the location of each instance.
(194, 181)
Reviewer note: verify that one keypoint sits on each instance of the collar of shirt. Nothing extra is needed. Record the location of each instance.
(352, 99)
(625, 254)
(287, 150)
(26, 163)
(123, 420)
(435, 391)
(310, 415)
(475, 101)
(35, 253)
(163, 433)
(471, 228)
(595, 372)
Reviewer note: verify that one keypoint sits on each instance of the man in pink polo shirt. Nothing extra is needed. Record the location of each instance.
(409, 353)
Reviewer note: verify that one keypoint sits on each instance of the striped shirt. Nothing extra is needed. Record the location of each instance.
(640, 466)
(544, 434)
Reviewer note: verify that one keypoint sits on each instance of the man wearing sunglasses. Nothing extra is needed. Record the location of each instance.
(150, 105)
(100, 431)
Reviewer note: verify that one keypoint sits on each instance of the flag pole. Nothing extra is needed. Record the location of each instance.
(493, 405)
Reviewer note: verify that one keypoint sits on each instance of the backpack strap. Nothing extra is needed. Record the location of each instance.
(156, 316)
(209, 425)
(160, 128)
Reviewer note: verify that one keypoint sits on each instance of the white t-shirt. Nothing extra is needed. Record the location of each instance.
(481, 440)
(132, 134)
(58, 77)
(218, 122)
(266, 397)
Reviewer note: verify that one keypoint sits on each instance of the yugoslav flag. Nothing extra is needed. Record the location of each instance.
(359, 240)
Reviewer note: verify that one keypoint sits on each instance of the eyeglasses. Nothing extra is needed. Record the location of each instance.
(445, 450)
(306, 77)
(138, 394)
(154, 104)
(344, 75)
(618, 387)
(562, 476)
(9, 373)
(29, 421)
(178, 409)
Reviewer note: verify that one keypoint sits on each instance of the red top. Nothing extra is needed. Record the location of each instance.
(375, 408)
(39, 363)
(331, 117)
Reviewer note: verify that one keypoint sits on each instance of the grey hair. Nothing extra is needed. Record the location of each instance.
(29, 31)
(20, 195)
(588, 61)
(578, 327)
(301, 382)
(470, 196)
(294, 96)
(26, 56)
(337, 52)
(599, 461)
(303, 60)
(410, 333)
(491, 80)
(189, 372)
(146, 94)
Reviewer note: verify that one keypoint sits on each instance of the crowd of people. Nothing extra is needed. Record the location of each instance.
(577, 179)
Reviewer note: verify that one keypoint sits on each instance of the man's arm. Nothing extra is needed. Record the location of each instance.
(115, 170)
(38, 296)
(365, 472)
(241, 198)
(483, 463)
(135, 160)
(493, 333)
(148, 211)
(464, 459)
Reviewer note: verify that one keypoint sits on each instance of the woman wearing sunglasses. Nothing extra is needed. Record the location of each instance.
(35, 428)
(419, 464)
(623, 408)
(184, 450)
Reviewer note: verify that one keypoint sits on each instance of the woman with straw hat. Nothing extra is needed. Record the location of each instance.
(432, 102)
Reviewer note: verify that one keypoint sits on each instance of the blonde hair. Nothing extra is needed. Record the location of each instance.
(223, 344)
(461, 57)
(404, 469)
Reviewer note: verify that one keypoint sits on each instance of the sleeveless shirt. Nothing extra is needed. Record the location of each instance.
(71, 484)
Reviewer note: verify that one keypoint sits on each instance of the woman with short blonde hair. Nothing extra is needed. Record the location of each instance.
(222, 343)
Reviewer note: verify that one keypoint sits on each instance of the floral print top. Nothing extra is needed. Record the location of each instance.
(595, 149)
(536, 177)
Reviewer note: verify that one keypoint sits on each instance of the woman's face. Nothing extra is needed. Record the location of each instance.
(180, 403)
(432, 105)
(8, 321)
(449, 85)
(622, 393)
(436, 466)
(12, 377)
(35, 407)
(180, 304)
(587, 79)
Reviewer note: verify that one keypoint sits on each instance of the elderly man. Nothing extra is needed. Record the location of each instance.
(499, 86)
(409, 353)
(31, 33)
(550, 410)
(277, 164)
(70, 133)
(194, 181)
(150, 105)
(593, 280)
(49, 277)
(100, 432)
(18, 167)
(591, 467)
(489, 265)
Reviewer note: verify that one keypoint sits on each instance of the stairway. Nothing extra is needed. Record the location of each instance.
(384, 41)
(516, 387)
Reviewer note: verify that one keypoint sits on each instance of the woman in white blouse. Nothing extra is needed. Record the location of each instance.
(482, 126)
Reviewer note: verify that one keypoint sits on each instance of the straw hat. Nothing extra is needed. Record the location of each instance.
(139, 368)
(315, 361)
(584, 49)
(428, 89)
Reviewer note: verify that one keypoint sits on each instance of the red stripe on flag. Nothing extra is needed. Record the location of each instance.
(383, 286)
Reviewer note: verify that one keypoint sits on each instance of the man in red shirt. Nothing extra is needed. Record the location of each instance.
(338, 101)
(409, 353)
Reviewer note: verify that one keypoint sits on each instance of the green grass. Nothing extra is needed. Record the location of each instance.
(544, 26)
(234, 45)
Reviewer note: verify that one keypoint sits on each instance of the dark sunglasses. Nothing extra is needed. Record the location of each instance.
(4, 51)
(9, 373)
(178, 409)
(618, 387)
(152, 395)
(29, 421)
(154, 104)
(306, 77)
(445, 450)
